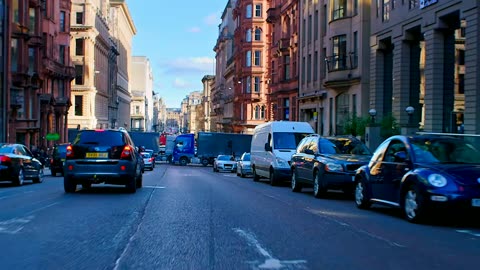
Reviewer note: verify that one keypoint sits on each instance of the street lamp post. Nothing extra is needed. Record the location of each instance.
(372, 113)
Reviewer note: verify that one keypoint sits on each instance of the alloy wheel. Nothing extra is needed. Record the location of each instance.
(411, 205)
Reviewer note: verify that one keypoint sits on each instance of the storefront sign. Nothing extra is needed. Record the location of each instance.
(426, 3)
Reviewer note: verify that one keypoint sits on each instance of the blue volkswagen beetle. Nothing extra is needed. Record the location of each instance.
(421, 173)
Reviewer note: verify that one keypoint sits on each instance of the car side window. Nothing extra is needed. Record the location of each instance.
(394, 147)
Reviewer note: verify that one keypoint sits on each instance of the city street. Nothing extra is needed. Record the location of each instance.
(192, 218)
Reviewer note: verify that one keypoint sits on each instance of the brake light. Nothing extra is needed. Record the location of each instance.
(126, 153)
(151, 159)
(69, 151)
(5, 159)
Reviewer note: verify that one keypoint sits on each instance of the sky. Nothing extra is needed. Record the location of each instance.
(178, 38)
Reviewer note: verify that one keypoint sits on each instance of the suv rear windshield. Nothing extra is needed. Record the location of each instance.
(99, 137)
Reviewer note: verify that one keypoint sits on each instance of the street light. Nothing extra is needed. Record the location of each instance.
(410, 110)
(372, 113)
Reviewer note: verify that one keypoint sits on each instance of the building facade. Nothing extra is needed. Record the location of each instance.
(283, 17)
(173, 120)
(425, 55)
(208, 83)
(195, 116)
(251, 56)
(142, 94)
(37, 73)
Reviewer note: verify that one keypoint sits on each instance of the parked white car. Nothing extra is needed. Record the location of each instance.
(243, 165)
(225, 163)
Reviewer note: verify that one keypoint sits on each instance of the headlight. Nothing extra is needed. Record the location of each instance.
(437, 180)
(282, 162)
(333, 167)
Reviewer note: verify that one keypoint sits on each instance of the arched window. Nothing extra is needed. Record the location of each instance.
(257, 113)
(258, 34)
(248, 35)
(262, 112)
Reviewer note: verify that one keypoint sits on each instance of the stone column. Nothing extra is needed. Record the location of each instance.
(401, 81)
(434, 69)
(472, 71)
(376, 80)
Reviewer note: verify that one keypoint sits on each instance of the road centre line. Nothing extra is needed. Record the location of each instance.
(468, 232)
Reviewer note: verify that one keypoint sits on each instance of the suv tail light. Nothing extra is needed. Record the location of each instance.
(69, 151)
(5, 159)
(126, 153)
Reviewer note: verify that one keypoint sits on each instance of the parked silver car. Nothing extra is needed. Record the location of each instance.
(148, 160)
(225, 163)
(243, 165)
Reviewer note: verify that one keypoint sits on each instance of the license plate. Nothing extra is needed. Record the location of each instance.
(97, 155)
(476, 202)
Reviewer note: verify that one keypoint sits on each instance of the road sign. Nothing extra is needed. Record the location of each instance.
(52, 137)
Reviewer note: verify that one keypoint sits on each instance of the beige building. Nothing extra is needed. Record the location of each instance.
(123, 30)
(173, 120)
(98, 49)
(141, 83)
(334, 63)
(195, 105)
(159, 114)
(425, 54)
(208, 83)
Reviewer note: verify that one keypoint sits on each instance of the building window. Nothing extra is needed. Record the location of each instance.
(309, 29)
(412, 4)
(61, 54)
(286, 109)
(258, 10)
(248, 11)
(355, 7)
(258, 34)
(16, 11)
(315, 66)
(248, 58)
(258, 58)
(248, 85)
(136, 109)
(315, 26)
(339, 9)
(273, 72)
(286, 67)
(461, 57)
(14, 54)
(339, 59)
(325, 20)
(257, 113)
(61, 88)
(262, 112)
(461, 83)
(79, 18)
(78, 74)
(62, 21)
(256, 84)
(32, 67)
(32, 23)
(309, 68)
(304, 31)
(79, 46)
(355, 50)
(78, 105)
(304, 69)
(248, 35)
(386, 10)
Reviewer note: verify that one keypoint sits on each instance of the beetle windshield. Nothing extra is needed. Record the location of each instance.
(444, 150)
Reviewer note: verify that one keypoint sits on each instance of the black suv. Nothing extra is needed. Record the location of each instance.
(102, 156)
(58, 158)
(327, 163)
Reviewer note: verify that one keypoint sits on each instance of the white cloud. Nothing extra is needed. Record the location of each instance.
(190, 65)
(181, 83)
(194, 29)
(212, 19)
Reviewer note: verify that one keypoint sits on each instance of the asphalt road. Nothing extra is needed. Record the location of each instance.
(192, 218)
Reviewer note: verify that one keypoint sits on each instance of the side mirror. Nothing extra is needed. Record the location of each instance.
(400, 156)
(309, 152)
(267, 147)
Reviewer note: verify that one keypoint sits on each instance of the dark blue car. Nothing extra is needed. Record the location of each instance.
(421, 173)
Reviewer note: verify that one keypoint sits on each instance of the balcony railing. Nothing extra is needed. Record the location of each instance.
(341, 62)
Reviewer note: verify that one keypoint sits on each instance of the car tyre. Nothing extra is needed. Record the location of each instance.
(20, 178)
(183, 161)
(242, 175)
(414, 205)
(296, 186)
(139, 182)
(40, 176)
(256, 177)
(69, 185)
(362, 199)
(205, 162)
(319, 190)
(273, 181)
(131, 185)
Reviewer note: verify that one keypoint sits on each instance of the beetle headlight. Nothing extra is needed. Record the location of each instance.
(437, 180)
(333, 167)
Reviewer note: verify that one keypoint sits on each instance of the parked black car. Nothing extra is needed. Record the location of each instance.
(59, 154)
(18, 164)
(327, 163)
(102, 156)
(419, 174)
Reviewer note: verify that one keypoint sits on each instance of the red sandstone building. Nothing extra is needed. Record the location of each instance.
(39, 71)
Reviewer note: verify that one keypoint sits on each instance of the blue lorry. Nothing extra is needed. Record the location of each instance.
(208, 145)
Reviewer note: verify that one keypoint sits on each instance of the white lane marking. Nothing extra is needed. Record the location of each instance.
(14, 195)
(325, 215)
(468, 232)
(14, 225)
(270, 262)
(157, 187)
(277, 199)
(42, 208)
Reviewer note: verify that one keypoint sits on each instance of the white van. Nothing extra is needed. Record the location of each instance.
(273, 145)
